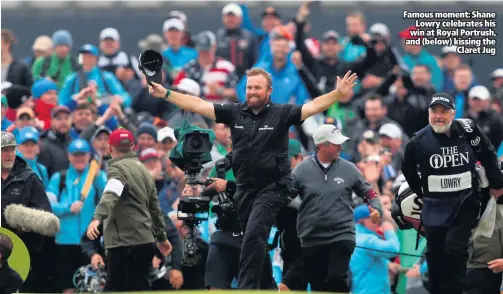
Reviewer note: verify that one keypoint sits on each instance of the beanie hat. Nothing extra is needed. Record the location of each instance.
(146, 128)
(42, 86)
(62, 37)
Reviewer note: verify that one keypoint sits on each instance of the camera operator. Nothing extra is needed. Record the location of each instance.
(291, 251)
(260, 161)
(130, 208)
(446, 152)
(326, 226)
(222, 265)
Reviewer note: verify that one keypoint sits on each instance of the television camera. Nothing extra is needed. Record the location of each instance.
(195, 151)
(194, 209)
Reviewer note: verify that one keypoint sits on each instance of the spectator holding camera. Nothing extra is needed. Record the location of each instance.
(92, 83)
(375, 117)
(410, 97)
(326, 68)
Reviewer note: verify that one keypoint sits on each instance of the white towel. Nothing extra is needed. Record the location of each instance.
(487, 222)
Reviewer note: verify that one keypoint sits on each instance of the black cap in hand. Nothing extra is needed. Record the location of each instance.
(150, 64)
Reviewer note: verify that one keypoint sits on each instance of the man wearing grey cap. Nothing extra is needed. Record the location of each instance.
(177, 55)
(111, 57)
(235, 43)
(497, 86)
(444, 153)
(480, 111)
(325, 183)
(21, 185)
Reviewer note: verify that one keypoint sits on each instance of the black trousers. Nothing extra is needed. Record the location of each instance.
(291, 253)
(128, 267)
(447, 250)
(482, 280)
(293, 274)
(327, 266)
(69, 259)
(257, 211)
(222, 267)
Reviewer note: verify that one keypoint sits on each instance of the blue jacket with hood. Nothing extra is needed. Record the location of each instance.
(73, 226)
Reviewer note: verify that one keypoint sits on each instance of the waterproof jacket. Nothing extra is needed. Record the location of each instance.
(73, 225)
(129, 208)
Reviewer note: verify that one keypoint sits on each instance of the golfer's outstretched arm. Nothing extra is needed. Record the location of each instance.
(324, 102)
(186, 102)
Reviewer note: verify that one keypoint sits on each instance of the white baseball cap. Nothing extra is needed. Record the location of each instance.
(449, 49)
(110, 33)
(189, 86)
(479, 92)
(173, 23)
(329, 133)
(497, 73)
(165, 133)
(232, 8)
(390, 130)
(379, 29)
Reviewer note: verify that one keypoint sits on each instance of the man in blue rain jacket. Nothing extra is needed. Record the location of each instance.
(28, 149)
(92, 83)
(287, 84)
(369, 262)
(74, 212)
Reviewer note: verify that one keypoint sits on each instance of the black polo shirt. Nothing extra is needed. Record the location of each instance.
(259, 142)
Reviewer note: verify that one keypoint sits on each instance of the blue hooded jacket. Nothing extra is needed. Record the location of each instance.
(71, 87)
(369, 267)
(38, 168)
(425, 58)
(73, 226)
(287, 85)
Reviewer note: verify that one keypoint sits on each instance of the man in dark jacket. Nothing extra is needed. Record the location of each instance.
(20, 185)
(234, 43)
(13, 70)
(10, 280)
(479, 101)
(53, 153)
(131, 215)
(327, 67)
(326, 226)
